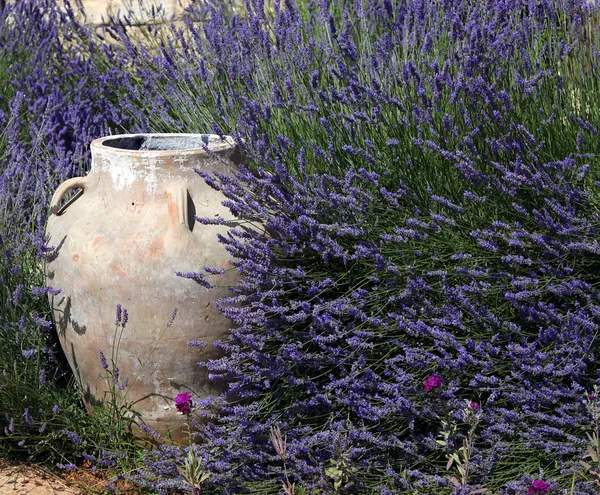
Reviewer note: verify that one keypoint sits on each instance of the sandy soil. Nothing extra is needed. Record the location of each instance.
(21, 479)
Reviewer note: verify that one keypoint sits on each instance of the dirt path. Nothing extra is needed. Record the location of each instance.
(19, 479)
(22, 479)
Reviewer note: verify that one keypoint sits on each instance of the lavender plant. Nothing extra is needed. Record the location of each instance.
(423, 181)
(49, 111)
(425, 177)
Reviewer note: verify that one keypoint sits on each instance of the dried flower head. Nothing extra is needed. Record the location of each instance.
(279, 442)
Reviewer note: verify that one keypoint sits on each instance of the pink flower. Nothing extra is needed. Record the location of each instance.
(183, 402)
(432, 382)
(538, 487)
(473, 406)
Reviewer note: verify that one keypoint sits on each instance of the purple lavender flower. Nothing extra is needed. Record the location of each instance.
(103, 362)
(196, 277)
(196, 343)
(42, 291)
(74, 437)
(150, 432)
(16, 295)
(27, 416)
(119, 315)
(173, 316)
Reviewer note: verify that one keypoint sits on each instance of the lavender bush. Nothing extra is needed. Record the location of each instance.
(422, 180)
(422, 175)
(53, 102)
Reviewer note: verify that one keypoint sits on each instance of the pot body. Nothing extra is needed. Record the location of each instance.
(121, 242)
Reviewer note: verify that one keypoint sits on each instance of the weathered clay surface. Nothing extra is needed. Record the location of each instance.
(121, 242)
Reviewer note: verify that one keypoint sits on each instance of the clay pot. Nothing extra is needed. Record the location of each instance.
(120, 242)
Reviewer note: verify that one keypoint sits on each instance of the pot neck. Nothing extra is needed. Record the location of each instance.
(118, 158)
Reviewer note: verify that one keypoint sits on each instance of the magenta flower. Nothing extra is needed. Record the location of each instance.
(538, 487)
(432, 382)
(183, 402)
(473, 406)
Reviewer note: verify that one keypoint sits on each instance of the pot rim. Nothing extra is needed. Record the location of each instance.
(215, 145)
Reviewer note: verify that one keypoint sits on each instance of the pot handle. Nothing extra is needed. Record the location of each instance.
(177, 203)
(66, 186)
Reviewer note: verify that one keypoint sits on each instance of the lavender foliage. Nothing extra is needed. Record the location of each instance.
(422, 180)
(55, 97)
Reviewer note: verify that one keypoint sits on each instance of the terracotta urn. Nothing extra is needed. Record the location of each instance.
(120, 241)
